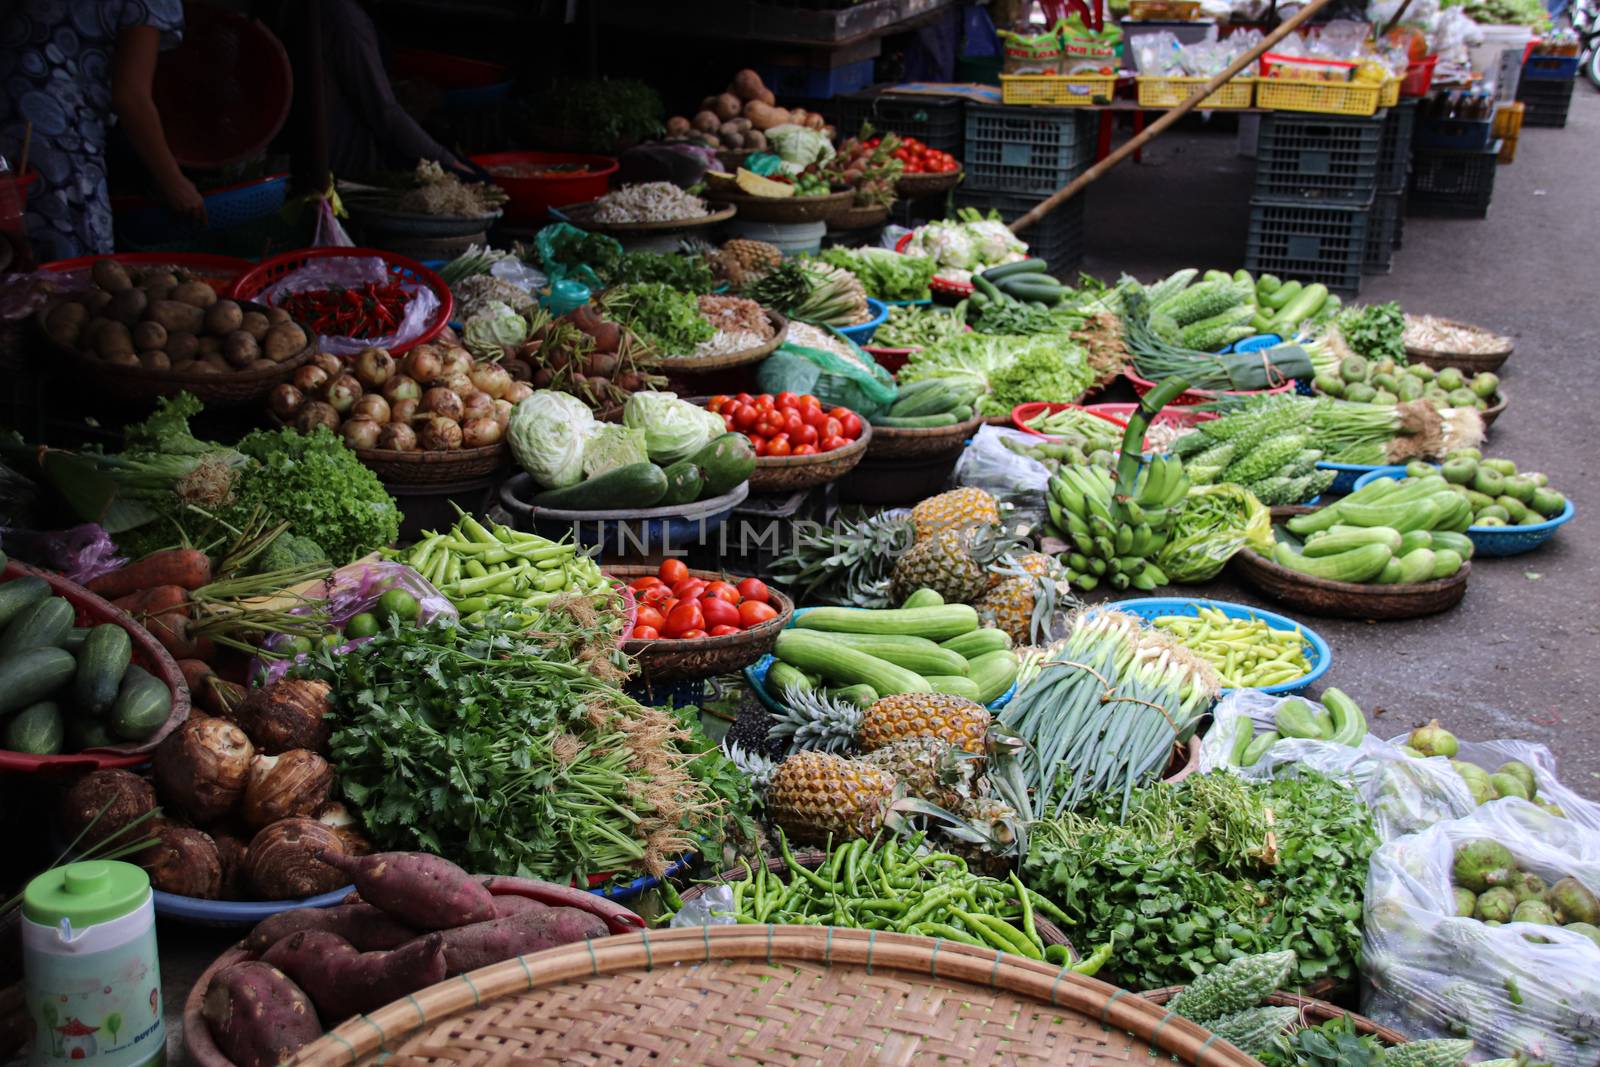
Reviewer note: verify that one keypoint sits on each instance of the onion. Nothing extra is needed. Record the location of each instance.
(442, 401)
(401, 387)
(491, 378)
(374, 366)
(282, 787)
(372, 406)
(110, 799)
(502, 412)
(439, 434)
(285, 401)
(200, 769)
(342, 393)
(309, 378)
(183, 861)
(281, 862)
(361, 432)
(398, 436)
(423, 364)
(461, 385)
(289, 713)
(482, 431)
(518, 392)
(404, 410)
(314, 413)
(475, 405)
(331, 365)
(456, 361)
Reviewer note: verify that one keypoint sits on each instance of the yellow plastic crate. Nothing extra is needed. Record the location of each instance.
(1162, 10)
(1323, 98)
(1508, 148)
(1389, 94)
(1508, 121)
(1170, 92)
(1051, 90)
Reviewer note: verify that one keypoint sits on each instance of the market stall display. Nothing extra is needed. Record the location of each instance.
(1511, 512)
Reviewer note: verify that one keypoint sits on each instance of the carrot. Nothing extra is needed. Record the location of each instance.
(187, 567)
(220, 696)
(154, 601)
(171, 628)
(195, 675)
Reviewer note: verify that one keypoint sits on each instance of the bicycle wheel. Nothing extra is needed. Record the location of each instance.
(1591, 68)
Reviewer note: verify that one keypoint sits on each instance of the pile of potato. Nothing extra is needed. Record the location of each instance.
(739, 118)
(162, 319)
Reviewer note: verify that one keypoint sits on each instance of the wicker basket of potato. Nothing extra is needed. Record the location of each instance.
(147, 331)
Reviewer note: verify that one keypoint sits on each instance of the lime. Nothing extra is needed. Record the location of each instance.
(299, 645)
(362, 625)
(333, 640)
(398, 603)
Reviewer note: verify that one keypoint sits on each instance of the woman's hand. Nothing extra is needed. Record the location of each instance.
(184, 199)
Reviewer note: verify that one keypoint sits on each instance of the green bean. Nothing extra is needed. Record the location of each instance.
(1027, 909)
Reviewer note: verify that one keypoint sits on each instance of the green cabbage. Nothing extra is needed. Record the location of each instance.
(612, 446)
(547, 432)
(799, 146)
(493, 330)
(673, 429)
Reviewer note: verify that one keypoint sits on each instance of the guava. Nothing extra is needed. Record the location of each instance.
(1573, 902)
(1588, 930)
(1433, 740)
(1496, 905)
(1529, 780)
(1466, 901)
(1508, 785)
(1476, 859)
(1527, 886)
(1534, 911)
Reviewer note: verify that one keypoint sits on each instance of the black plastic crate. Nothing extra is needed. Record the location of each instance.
(1454, 135)
(1058, 238)
(936, 121)
(1318, 158)
(1024, 151)
(1453, 183)
(1324, 243)
(1546, 101)
(1394, 151)
(1383, 233)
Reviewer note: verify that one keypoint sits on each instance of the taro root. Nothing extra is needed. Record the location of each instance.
(289, 713)
(336, 817)
(201, 768)
(281, 862)
(230, 851)
(122, 795)
(183, 861)
(282, 787)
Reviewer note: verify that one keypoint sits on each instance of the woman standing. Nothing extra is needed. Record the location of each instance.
(72, 68)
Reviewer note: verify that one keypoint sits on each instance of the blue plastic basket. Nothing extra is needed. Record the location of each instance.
(629, 890)
(1320, 655)
(862, 334)
(237, 205)
(907, 303)
(223, 913)
(1551, 68)
(1494, 541)
(1256, 343)
(1349, 474)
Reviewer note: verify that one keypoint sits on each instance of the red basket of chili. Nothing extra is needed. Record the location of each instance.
(369, 310)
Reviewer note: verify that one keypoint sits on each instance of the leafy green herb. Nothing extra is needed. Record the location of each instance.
(1015, 369)
(885, 274)
(688, 273)
(666, 319)
(1376, 331)
(1334, 1043)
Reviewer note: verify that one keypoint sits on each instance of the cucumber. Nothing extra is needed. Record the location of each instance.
(926, 401)
(75, 639)
(633, 487)
(978, 642)
(1361, 564)
(44, 624)
(843, 665)
(1446, 561)
(986, 287)
(1296, 718)
(85, 733)
(994, 673)
(684, 482)
(1349, 724)
(923, 598)
(725, 462)
(958, 685)
(143, 704)
(915, 422)
(19, 594)
(1011, 270)
(936, 624)
(1459, 543)
(782, 676)
(1416, 566)
(101, 664)
(861, 695)
(913, 653)
(1258, 748)
(37, 730)
(1413, 540)
(32, 675)
(1343, 538)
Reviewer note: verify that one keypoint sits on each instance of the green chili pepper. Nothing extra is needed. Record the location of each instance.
(1092, 963)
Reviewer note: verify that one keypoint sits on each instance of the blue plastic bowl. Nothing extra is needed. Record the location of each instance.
(198, 912)
(1319, 654)
(1348, 473)
(928, 302)
(1495, 541)
(628, 890)
(862, 334)
(1256, 343)
(756, 675)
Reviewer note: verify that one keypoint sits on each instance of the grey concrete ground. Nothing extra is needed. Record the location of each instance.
(1520, 657)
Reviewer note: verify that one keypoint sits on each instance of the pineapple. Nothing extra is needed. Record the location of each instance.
(813, 721)
(960, 721)
(755, 766)
(955, 510)
(961, 565)
(1025, 602)
(849, 563)
(740, 261)
(815, 796)
(930, 769)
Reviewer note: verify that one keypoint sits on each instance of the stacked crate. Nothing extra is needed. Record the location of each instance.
(1016, 157)
(1311, 212)
(937, 121)
(1546, 89)
(1384, 230)
(1458, 182)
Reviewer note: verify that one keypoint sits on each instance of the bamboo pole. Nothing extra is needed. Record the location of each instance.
(1060, 196)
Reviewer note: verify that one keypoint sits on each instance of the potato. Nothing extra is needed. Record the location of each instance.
(707, 121)
(157, 292)
(816, 121)
(756, 141)
(205, 366)
(766, 97)
(98, 300)
(728, 106)
(255, 324)
(747, 85)
(182, 346)
(263, 364)
(240, 349)
(276, 316)
(147, 335)
(124, 359)
(65, 322)
(183, 366)
(283, 341)
(224, 317)
(155, 360)
(741, 124)
(208, 347)
(763, 117)
(109, 275)
(678, 126)
(113, 338)
(197, 294)
(218, 362)
(176, 315)
(127, 306)
(731, 138)
(154, 278)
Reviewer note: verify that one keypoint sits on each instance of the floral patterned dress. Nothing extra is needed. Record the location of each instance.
(55, 72)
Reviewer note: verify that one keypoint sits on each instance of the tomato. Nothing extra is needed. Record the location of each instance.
(760, 446)
(786, 401)
(724, 630)
(744, 417)
(686, 616)
(687, 588)
(792, 424)
(639, 585)
(830, 428)
(672, 570)
(779, 445)
(649, 616)
(805, 435)
(656, 594)
(646, 633)
(717, 403)
(764, 402)
(744, 398)
(754, 589)
(727, 420)
(754, 612)
(718, 612)
(828, 444)
(814, 416)
(723, 591)
(850, 425)
(693, 635)
(804, 450)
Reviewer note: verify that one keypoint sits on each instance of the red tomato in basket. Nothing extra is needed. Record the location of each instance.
(717, 403)
(743, 398)
(723, 631)
(805, 435)
(723, 591)
(685, 617)
(655, 594)
(831, 427)
(645, 633)
(754, 613)
(693, 635)
(760, 444)
(850, 425)
(828, 444)
(804, 450)
(744, 417)
(753, 589)
(792, 423)
(649, 616)
(779, 445)
(689, 588)
(718, 612)
(727, 421)
(672, 570)
(784, 401)
(639, 585)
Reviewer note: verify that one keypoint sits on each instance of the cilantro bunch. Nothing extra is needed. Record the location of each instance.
(1376, 331)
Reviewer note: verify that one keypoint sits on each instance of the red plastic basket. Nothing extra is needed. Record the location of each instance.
(1419, 76)
(1116, 414)
(531, 197)
(936, 285)
(1201, 396)
(890, 359)
(219, 272)
(445, 70)
(399, 267)
(223, 93)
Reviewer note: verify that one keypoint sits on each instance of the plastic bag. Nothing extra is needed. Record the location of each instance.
(859, 384)
(1491, 755)
(329, 231)
(714, 907)
(1087, 51)
(1518, 988)
(79, 553)
(344, 272)
(1156, 54)
(560, 243)
(1029, 48)
(348, 592)
(1016, 480)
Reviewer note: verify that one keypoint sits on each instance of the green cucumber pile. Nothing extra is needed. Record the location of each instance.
(859, 655)
(1362, 381)
(1386, 533)
(727, 461)
(1497, 492)
(1340, 720)
(931, 402)
(1026, 281)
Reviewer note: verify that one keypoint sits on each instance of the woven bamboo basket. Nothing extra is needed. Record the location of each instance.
(790, 474)
(811, 859)
(135, 385)
(1312, 1012)
(917, 186)
(582, 216)
(428, 469)
(1495, 410)
(762, 994)
(197, 1035)
(860, 217)
(783, 210)
(1351, 600)
(671, 660)
(1465, 361)
(930, 442)
(724, 360)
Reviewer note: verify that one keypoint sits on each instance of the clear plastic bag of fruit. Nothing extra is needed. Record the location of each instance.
(1529, 986)
(1491, 756)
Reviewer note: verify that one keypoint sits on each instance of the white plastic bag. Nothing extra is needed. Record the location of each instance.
(988, 464)
(1490, 755)
(350, 272)
(1517, 988)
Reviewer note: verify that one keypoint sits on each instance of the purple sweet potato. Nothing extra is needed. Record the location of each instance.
(257, 1016)
(366, 928)
(466, 948)
(507, 904)
(419, 889)
(343, 981)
